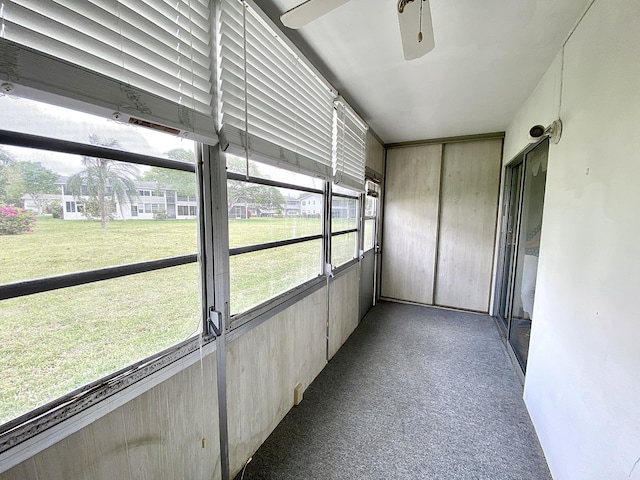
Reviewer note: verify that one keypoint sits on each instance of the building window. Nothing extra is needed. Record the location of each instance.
(70, 207)
(186, 211)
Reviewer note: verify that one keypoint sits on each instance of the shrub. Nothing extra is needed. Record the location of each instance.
(55, 209)
(160, 216)
(14, 220)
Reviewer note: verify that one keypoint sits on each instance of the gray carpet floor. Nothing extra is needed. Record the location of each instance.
(415, 393)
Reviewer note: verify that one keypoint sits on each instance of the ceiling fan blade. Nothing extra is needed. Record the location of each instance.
(411, 24)
(308, 11)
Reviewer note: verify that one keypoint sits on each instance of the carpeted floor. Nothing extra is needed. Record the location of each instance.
(415, 393)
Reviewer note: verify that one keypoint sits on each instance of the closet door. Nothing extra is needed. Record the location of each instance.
(468, 215)
(412, 184)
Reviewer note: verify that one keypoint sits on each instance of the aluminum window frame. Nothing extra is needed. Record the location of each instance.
(373, 193)
(277, 303)
(55, 412)
(335, 269)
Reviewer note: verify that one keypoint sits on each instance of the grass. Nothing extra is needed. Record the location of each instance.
(56, 341)
(59, 246)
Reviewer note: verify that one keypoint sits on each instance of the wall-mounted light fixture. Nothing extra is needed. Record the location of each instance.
(553, 131)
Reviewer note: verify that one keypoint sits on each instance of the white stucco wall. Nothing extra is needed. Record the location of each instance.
(583, 379)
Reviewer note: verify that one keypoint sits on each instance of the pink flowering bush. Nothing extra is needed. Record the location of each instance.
(14, 220)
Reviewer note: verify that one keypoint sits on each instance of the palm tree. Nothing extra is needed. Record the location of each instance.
(104, 180)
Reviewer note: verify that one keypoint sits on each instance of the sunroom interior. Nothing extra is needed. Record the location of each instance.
(218, 203)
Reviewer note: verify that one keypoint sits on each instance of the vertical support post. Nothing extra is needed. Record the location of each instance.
(326, 251)
(217, 266)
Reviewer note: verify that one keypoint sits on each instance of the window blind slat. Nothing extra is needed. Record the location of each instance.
(350, 147)
(264, 59)
(289, 111)
(269, 120)
(264, 96)
(162, 47)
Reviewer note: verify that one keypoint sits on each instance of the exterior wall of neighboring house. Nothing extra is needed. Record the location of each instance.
(291, 207)
(29, 203)
(148, 204)
(343, 208)
(311, 205)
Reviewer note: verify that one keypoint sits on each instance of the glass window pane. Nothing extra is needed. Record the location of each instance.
(55, 342)
(262, 170)
(371, 206)
(259, 276)
(38, 118)
(68, 233)
(369, 233)
(343, 248)
(261, 214)
(344, 191)
(344, 213)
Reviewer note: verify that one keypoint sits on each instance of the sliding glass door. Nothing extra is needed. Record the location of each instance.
(526, 179)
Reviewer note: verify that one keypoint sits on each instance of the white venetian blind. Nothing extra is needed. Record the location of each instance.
(350, 147)
(156, 47)
(273, 105)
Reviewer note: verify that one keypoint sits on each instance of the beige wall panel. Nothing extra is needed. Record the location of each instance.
(468, 211)
(375, 154)
(169, 445)
(157, 435)
(412, 185)
(344, 293)
(263, 367)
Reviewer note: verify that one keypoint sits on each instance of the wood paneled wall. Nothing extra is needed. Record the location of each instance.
(468, 214)
(157, 435)
(343, 308)
(412, 185)
(441, 203)
(263, 367)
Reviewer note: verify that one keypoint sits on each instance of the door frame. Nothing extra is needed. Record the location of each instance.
(504, 319)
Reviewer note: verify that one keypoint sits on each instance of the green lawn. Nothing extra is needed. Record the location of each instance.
(57, 341)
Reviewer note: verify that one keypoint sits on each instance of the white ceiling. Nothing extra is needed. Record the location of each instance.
(489, 56)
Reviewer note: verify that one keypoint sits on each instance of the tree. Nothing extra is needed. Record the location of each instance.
(7, 177)
(104, 181)
(260, 196)
(239, 165)
(36, 181)
(251, 194)
(182, 182)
